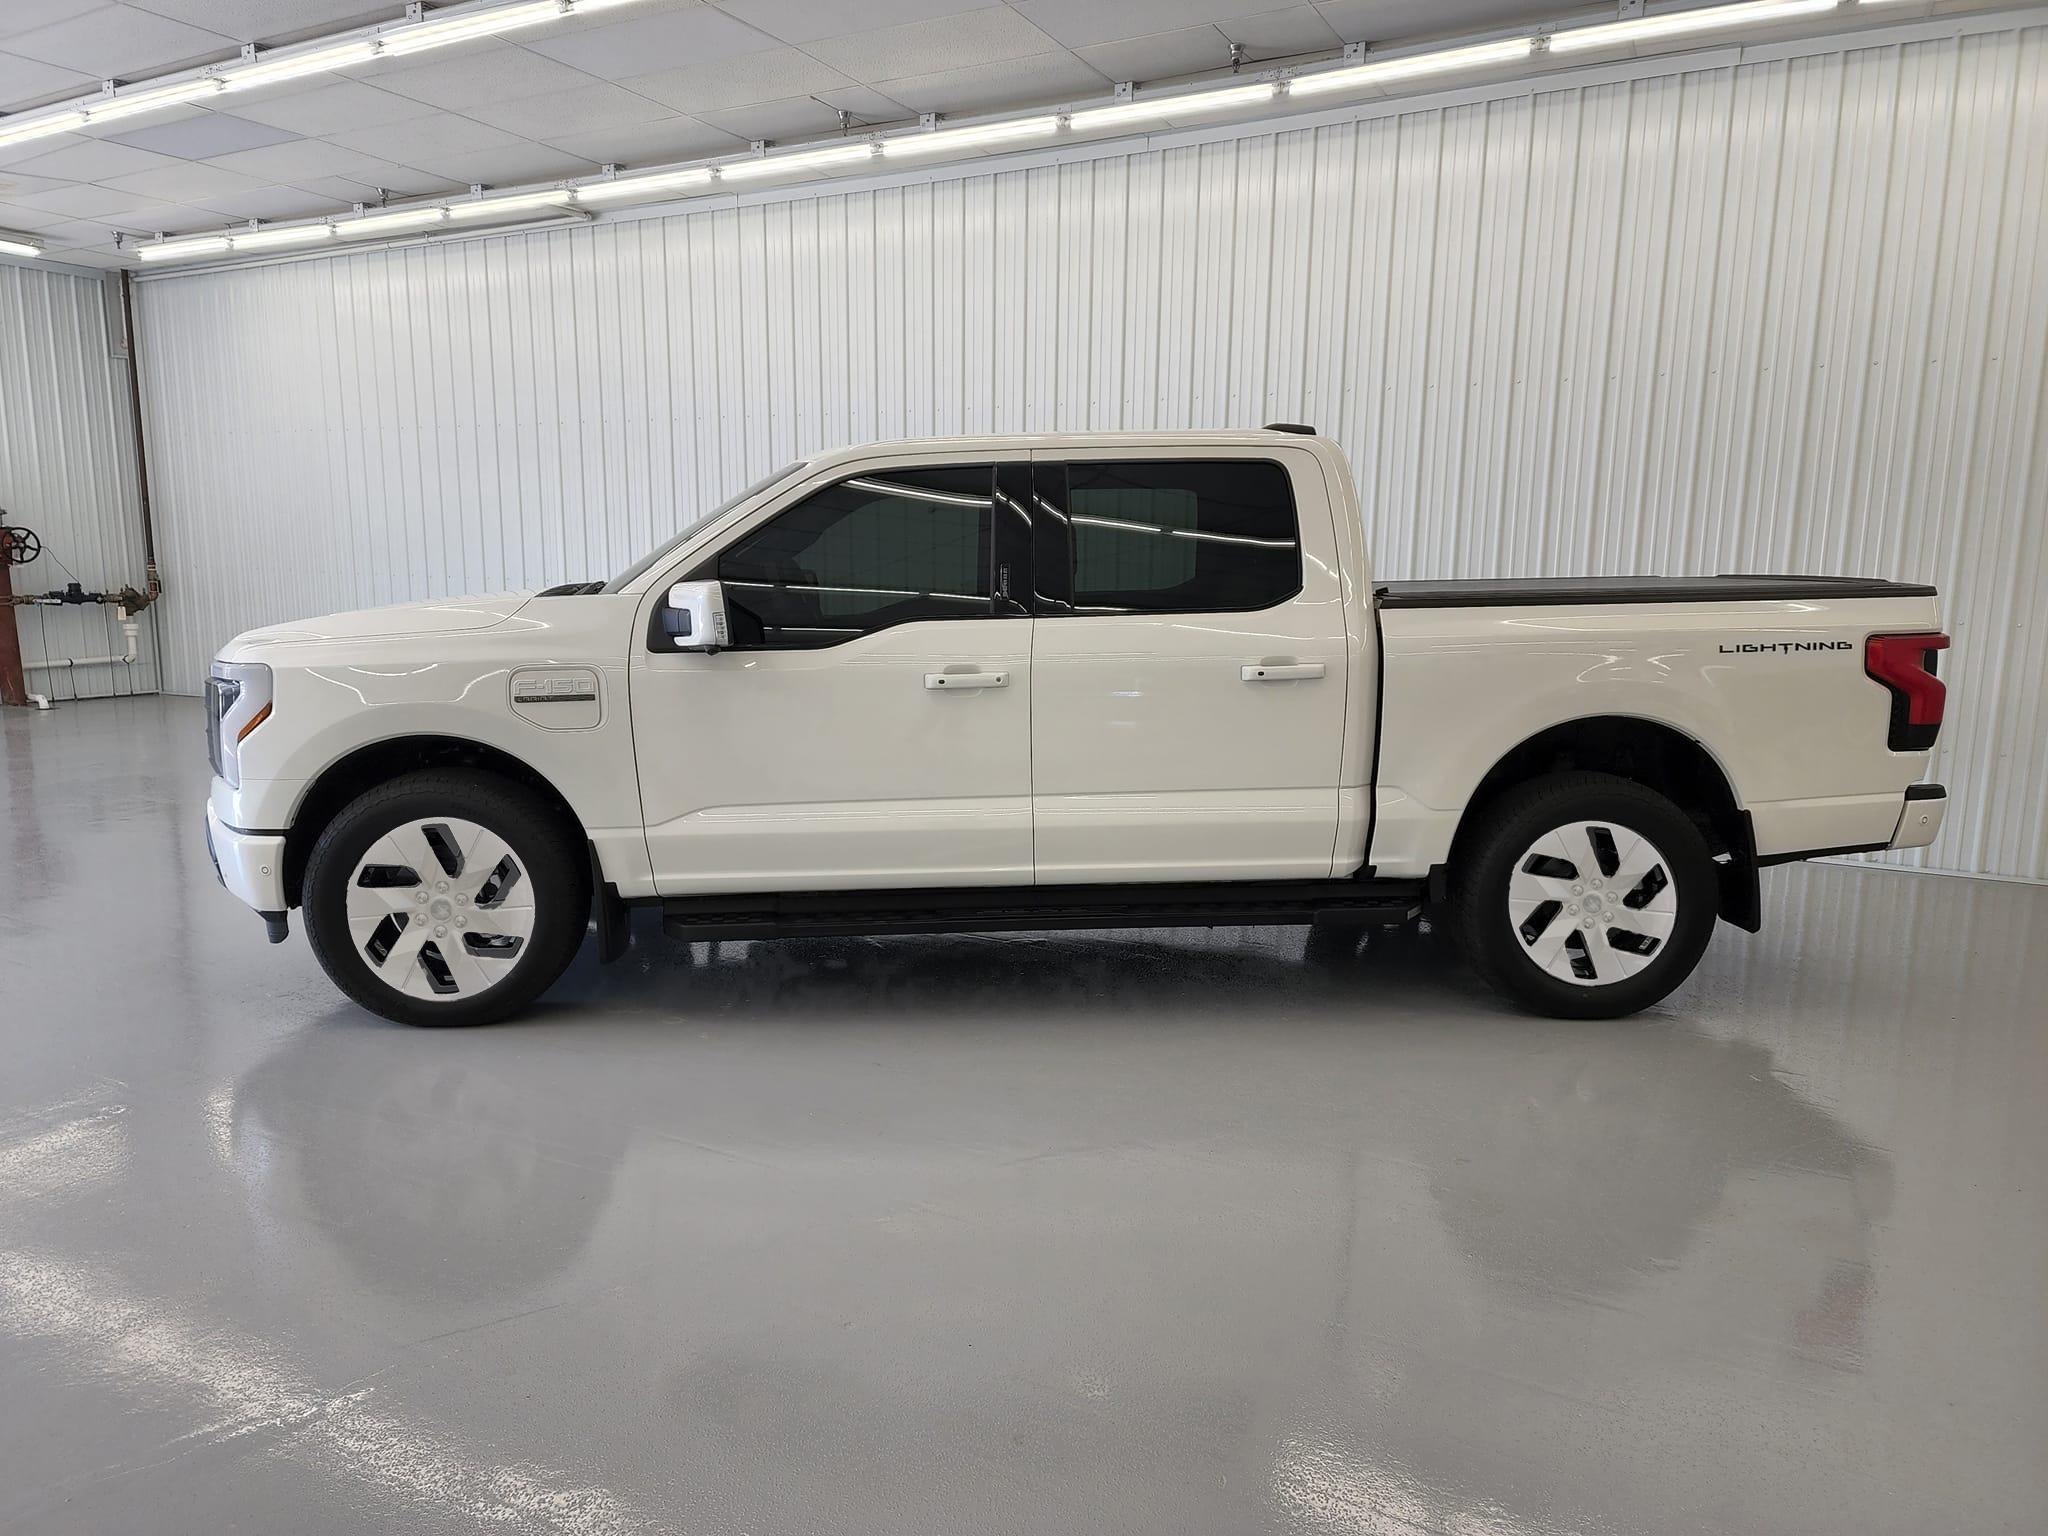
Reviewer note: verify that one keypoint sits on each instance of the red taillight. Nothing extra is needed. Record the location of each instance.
(1905, 665)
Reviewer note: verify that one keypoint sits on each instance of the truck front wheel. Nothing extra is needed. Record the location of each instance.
(447, 896)
(1584, 896)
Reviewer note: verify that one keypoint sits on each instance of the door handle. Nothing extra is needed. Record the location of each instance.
(951, 680)
(1279, 671)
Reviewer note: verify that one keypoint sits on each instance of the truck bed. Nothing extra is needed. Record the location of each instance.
(1555, 590)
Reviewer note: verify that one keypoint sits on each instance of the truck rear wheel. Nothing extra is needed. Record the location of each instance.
(446, 896)
(1584, 896)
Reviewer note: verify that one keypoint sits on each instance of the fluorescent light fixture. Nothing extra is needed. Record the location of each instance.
(12, 244)
(625, 188)
(431, 33)
(1410, 66)
(41, 127)
(296, 66)
(436, 29)
(171, 250)
(280, 236)
(389, 223)
(944, 140)
(518, 202)
(805, 160)
(107, 109)
(1639, 29)
(1157, 108)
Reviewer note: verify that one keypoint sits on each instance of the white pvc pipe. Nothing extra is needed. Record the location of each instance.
(129, 628)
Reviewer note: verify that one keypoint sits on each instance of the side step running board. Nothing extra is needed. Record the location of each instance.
(1015, 909)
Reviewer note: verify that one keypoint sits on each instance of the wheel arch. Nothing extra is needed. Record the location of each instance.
(378, 762)
(1656, 755)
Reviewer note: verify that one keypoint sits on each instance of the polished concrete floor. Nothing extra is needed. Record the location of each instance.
(1159, 1232)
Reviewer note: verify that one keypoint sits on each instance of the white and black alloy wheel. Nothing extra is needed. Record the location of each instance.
(1584, 895)
(447, 896)
(1592, 902)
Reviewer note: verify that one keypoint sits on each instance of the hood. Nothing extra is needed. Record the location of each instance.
(438, 616)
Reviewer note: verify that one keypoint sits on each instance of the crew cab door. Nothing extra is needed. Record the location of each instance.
(870, 724)
(1188, 667)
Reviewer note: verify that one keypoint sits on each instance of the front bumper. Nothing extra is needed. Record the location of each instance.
(1920, 821)
(250, 864)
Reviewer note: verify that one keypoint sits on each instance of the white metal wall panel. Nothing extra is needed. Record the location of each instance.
(1781, 314)
(67, 470)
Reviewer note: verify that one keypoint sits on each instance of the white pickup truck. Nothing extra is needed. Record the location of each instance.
(1061, 681)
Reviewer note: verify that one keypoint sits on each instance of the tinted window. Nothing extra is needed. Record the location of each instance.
(1193, 536)
(873, 551)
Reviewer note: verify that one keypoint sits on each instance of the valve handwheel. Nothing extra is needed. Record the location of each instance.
(18, 546)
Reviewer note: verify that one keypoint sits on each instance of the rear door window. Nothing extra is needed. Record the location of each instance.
(1181, 536)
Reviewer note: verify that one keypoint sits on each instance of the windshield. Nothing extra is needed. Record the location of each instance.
(655, 556)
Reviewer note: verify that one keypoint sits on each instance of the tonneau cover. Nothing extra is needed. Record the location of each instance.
(1635, 589)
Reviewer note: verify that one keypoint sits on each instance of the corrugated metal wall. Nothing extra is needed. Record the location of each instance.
(1788, 313)
(67, 470)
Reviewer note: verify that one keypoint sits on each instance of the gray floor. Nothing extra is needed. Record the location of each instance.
(1141, 1233)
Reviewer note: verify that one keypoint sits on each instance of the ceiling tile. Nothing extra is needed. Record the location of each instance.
(27, 83)
(677, 138)
(13, 183)
(1374, 21)
(989, 87)
(498, 73)
(148, 216)
(772, 76)
(803, 21)
(1281, 34)
(1162, 55)
(439, 135)
(120, 42)
(333, 108)
(14, 216)
(92, 160)
(801, 117)
(185, 181)
(813, 116)
(340, 191)
(299, 160)
(35, 149)
(1077, 23)
(865, 102)
(603, 18)
(335, 192)
(270, 21)
(203, 136)
(278, 203)
(586, 107)
(701, 35)
(510, 167)
(78, 233)
(18, 16)
(82, 200)
(928, 47)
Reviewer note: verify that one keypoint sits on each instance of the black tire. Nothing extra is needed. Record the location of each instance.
(552, 856)
(1511, 826)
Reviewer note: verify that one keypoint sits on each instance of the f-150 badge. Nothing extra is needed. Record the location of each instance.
(560, 698)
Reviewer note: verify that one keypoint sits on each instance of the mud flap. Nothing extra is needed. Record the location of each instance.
(1742, 895)
(608, 911)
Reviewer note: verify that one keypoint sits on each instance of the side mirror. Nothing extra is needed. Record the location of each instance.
(694, 617)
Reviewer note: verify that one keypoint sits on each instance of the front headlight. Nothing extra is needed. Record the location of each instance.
(237, 701)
